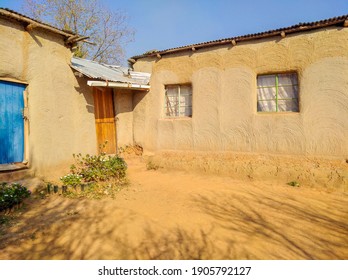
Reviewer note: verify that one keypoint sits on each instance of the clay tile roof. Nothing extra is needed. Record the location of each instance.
(300, 27)
(10, 14)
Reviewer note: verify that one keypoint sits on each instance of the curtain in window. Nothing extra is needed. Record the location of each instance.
(185, 101)
(178, 101)
(266, 93)
(277, 93)
(172, 101)
(287, 93)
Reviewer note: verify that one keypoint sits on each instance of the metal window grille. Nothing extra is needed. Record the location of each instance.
(277, 93)
(178, 101)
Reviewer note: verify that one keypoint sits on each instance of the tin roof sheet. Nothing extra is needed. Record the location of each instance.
(110, 73)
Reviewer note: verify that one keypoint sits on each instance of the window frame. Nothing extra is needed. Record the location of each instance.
(165, 107)
(276, 87)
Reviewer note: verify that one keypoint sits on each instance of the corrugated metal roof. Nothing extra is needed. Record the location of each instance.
(110, 73)
(301, 27)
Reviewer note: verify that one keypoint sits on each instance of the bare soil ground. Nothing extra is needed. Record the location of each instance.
(178, 215)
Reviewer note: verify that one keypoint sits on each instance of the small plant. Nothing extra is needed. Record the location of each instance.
(95, 168)
(97, 190)
(4, 220)
(71, 180)
(93, 173)
(152, 166)
(294, 184)
(12, 195)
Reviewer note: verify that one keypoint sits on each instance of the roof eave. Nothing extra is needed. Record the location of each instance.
(29, 24)
(299, 28)
(131, 86)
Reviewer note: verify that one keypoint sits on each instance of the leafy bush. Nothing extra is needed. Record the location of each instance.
(11, 195)
(97, 168)
(96, 173)
(71, 179)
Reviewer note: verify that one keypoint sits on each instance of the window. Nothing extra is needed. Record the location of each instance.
(178, 101)
(277, 93)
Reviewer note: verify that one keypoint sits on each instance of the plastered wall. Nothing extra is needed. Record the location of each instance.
(226, 135)
(61, 116)
(123, 101)
(225, 116)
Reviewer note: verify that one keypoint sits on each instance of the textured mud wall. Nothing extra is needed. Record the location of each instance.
(225, 114)
(307, 171)
(123, 100)
(61, 118)
(225, 117)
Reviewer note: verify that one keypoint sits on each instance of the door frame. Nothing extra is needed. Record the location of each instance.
(106, 90)
(25, 113)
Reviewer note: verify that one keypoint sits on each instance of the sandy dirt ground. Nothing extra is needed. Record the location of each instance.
(178, 215)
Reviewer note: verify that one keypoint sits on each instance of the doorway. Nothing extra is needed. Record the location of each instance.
(105, 119)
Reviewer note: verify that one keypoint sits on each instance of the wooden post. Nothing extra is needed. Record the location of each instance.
(30, 27)
(49, 185)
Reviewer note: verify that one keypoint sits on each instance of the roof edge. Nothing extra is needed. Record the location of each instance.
(70, 37)
(282, 32)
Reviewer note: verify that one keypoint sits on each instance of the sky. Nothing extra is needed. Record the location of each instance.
(164, 24)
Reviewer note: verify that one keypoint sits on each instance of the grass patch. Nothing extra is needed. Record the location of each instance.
(96, 190)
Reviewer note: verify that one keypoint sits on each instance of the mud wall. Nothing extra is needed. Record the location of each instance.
(226, 134)
(306, 171)
(61, 118)
(123, 100)
(225, 116)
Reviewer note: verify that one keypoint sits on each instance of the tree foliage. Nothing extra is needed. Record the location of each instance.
(107, 29)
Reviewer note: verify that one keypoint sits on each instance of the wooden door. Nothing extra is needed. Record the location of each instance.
(11, 122)
(105, 119)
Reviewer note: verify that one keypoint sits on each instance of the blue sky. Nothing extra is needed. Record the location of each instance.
(163, 24)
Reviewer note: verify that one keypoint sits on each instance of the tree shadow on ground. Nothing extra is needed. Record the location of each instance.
(243, 224)
(65, 229)
(280, 226)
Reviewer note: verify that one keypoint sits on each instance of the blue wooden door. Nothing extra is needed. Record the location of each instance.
(11, 122)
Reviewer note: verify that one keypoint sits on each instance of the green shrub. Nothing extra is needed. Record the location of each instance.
(95, 168)
(99, 167)
(96, 174)
(71, 180)
(11, 195)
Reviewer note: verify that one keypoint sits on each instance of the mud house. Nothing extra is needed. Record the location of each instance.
(52, 106)
(266, 105)
(271, 104)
